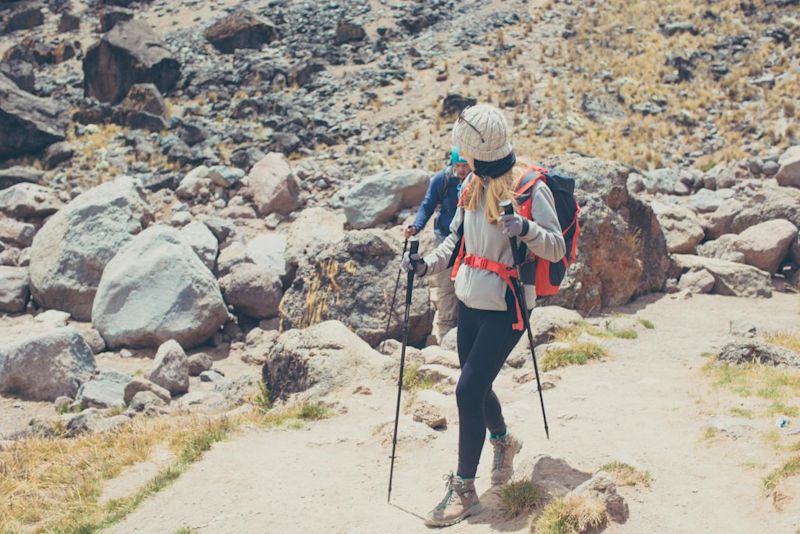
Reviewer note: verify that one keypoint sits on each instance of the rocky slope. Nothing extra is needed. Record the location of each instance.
(222, 186)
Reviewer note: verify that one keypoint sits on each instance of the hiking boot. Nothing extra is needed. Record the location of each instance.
(505, 449)
(460, 502)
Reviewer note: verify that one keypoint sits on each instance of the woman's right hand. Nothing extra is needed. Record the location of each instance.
(413, 262)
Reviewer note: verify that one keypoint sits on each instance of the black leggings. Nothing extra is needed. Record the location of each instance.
(485, 339)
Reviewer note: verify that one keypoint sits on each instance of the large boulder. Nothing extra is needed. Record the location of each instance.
(14, 289)
(130, 53)
(142, 109)
(268, 250)
(29, 201)
(318, 360)
(156, 289)
(28, 123)
(377, 199)
(682, 228)
(171, 368)
(74, 246)
(312, 230)
(622, 252)
(240, 29)
(46, 366)
(766, 245)
(734, 279)
(789, 172)
(769, 203)
(274, 187)
(353, 280)
(252, 290)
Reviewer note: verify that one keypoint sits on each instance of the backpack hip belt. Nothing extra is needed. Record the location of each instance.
(506, 272)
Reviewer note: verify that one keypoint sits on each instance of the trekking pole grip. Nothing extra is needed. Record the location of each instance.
(508, 209)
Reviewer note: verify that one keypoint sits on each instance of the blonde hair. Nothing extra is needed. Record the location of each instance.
(495, 190)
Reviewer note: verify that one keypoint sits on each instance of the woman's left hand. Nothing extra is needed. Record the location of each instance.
(512, 225)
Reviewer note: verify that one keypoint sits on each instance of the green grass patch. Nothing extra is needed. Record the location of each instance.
(185, 530)
(647, 323)
(262, 399)
(518, 497)
(789, 469)
(625, 334)
(573, 514)
(742, 412)
(766, 382)
(710, 433)
(293, 415)
(627, 475)
(414, 380)
(576, 354)
(779, 408)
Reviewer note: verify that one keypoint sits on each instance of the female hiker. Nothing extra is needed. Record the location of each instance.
(489, 321)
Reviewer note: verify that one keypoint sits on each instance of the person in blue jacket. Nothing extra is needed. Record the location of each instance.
(443, 193)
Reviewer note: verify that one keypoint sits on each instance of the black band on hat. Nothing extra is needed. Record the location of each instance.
(497, 168)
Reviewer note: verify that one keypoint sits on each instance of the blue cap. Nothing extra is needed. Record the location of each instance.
(455, 157)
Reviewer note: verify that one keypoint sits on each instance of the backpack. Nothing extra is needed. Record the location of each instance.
(546, 276)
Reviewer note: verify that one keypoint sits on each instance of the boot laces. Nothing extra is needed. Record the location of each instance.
(451, 491)
(500, 446)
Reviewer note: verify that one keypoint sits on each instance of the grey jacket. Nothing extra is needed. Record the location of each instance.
(484, 290)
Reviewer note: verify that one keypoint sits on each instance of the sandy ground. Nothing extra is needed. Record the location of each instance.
(647, 405)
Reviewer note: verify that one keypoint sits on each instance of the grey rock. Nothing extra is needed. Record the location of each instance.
(28, 123)
(106, 390)
(91, 421)
(601, 487)
(198, 236)
(682, 228)
(747, 352)
(789, 173)
(225, 176)
(274, 187)
(240, 29)
(377, 199)
(138, 384)
(144, 400)
(699, 281)
(350, 279)
(171, 368)
(239, 390)
(16, 233)
(198, 363)
(130, 53)
(14, 289)
(730, 278)
(72, 249)
(661, 181)
(194, 183)
(318, 360)
(46, 366)
(767, 244)
(156, 289)
(269, 251)
(211, 376)
(742, 328)
(18, 174)
(23, 201)
(252, 290)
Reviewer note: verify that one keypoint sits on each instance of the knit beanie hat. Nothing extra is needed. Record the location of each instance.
(482, 133)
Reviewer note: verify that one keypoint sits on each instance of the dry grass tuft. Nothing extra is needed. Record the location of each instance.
(627, 475)
(573, 514)
(789, 339)
(518, 497)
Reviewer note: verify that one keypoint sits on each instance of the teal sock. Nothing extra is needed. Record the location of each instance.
(465, 478)
(498, 436)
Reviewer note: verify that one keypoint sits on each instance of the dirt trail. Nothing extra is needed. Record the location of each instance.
(643, 406)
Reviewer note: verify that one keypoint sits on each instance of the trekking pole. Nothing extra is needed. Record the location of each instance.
(508, 208)
(394, 297)
(409, 288)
